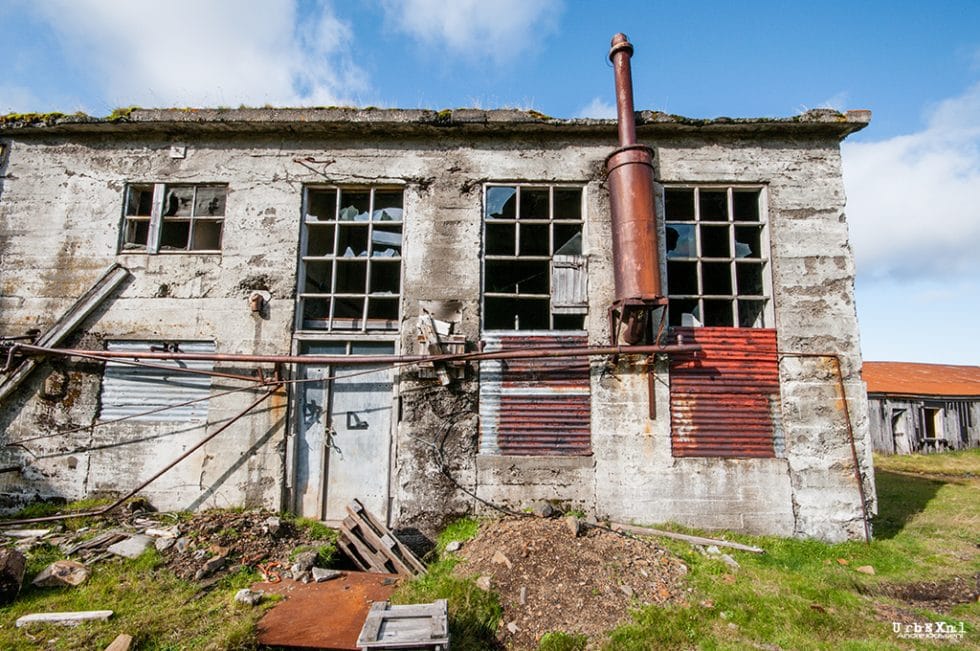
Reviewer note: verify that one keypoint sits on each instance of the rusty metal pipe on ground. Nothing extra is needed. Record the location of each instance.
(636, 257)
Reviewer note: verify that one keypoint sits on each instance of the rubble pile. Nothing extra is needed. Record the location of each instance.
(553, 576)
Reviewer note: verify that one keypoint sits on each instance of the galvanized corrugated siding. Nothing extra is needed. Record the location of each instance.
(724, 401)
(130, 390)
(535, 406)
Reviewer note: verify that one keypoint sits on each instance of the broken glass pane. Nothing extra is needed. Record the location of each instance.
(137, 232)
(355, 206)
(387, 206)
(179, 202)
(316, 311)
(382, 313)
(386, 242)
(680, 241)
(679, 204)
(573, 244)
(568, 203)
(748, 241)
(678, 307)
(516, 314)
(209, 202)
(351, 309)
(751, 314)
(714, 242)
(568, 321)
(535, 203)
(352, 240)
(500, 202)
(714, 205)
(321, 205)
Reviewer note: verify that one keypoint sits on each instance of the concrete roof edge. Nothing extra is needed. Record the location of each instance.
(822, 121)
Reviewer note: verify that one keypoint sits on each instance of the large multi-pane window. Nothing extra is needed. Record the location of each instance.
(534, 273)
(350, 264)
(717, 257)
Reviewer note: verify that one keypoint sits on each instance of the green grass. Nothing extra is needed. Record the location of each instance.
(562, 641)
(799, 595)
(149, 602)
(474, 614)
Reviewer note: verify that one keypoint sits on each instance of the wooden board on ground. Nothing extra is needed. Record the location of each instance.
(412, 626)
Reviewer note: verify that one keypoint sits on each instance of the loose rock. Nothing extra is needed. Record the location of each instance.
(131, 547)
(248, 597)
(865, 569)
(12, 566)
(453, 546)
(211, 566)
(542, 509)
(320, 575)
(62, 573)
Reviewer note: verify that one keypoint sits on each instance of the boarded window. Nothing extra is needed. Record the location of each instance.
(128, 391)
(535, 406)
(724, 401)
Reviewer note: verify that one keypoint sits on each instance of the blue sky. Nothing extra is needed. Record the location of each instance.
(912, 177)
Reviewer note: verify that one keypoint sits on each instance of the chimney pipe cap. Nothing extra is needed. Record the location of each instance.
(620, 42)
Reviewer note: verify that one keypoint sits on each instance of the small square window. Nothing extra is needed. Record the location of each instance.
(162, 218)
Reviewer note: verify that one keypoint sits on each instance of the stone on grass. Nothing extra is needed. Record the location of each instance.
(210, 566)
(248, 597)
(483, 583)
(865, 569)
(163, 544)
(131, 547)
(453, 546)
(729, 561)
(62, 573)
(303, 562)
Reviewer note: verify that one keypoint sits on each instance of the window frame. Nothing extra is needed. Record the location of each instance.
(518, 223)
(337, 324)
(765, 317)
(157, 219)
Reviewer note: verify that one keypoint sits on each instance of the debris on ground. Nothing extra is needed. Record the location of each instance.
(549, 579)
(62, 573)
(12, 567)
(939, 596)
(249, 597)
(65, 619)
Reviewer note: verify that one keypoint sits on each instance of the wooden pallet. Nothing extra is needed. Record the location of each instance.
(414, 626)
(372, 547)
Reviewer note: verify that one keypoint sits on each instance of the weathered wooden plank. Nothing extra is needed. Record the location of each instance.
(371, 538)
(67, 619)
(404, 555)
(695, 540)
(379, 562)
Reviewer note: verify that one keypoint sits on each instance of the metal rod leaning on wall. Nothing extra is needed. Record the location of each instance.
(165, 469)
(850, 431)
(379, 360)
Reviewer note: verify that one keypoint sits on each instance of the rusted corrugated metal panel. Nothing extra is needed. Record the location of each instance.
(131, 390)
(535, 406)
(724, 401)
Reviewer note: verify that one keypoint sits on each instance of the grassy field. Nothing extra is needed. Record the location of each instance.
(799, 595)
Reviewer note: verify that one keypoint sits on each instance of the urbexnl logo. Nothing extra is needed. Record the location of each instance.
(929, 631)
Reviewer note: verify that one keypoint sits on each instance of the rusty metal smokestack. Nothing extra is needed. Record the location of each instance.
(636, 257)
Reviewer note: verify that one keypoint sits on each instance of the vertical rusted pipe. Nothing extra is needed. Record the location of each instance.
(629, 168)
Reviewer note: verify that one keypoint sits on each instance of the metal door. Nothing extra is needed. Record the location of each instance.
(343, 436)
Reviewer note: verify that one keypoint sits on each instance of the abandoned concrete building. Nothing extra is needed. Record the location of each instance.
(922, 407)
(225, 279)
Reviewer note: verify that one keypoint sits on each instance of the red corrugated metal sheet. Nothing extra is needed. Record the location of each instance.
(722, 399)
(903, 378)
(535, 406)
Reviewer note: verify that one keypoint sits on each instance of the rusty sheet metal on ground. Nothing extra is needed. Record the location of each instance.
(325, 615)
(535, 406)
(724, 402)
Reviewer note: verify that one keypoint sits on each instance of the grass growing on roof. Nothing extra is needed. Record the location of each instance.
(474, 614)
(805, 594)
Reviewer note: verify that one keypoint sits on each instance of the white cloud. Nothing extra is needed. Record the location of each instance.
(208, 52)
(914, 200)
(498, 30)
(598, 108)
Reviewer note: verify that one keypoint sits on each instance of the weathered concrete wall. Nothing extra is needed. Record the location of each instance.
(61, 209)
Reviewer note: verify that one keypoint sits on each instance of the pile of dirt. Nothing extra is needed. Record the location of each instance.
(549, 579)
(940, 596)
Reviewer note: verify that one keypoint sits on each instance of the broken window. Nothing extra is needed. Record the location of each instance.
(163, 218)
(157, 394)
(350, 253)
(534, 271)
(717, 257)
